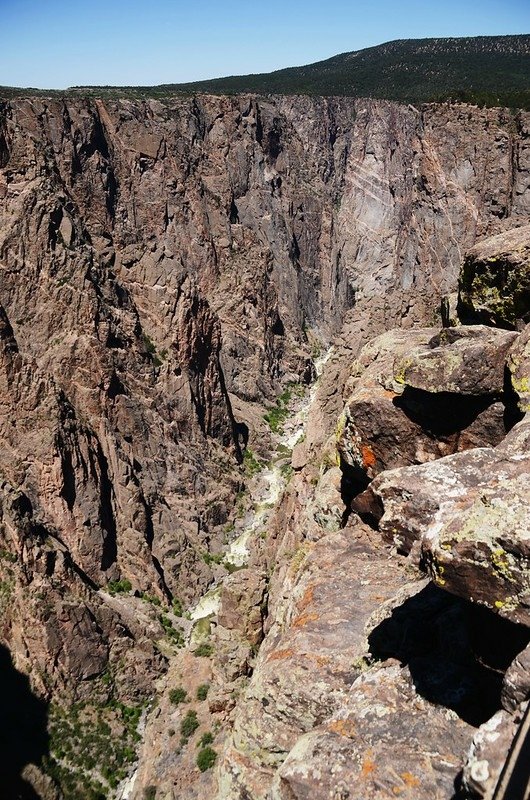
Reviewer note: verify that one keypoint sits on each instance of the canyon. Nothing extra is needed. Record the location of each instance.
(264, 373)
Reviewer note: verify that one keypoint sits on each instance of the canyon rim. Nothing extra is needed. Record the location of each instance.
(264, 446)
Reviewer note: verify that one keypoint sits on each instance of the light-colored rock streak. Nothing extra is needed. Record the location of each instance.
(272, 482)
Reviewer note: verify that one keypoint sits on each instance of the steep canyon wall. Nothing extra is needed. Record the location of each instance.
(164, 270)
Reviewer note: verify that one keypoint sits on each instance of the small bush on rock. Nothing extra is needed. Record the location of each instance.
(178, 695)
(206, 758)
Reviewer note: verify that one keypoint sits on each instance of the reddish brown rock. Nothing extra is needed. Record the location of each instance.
(470, 516)
(159, 259)
(243, 604)
(350, 755)
(400, 413)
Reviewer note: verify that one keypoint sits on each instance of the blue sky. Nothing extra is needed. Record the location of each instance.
(60, 43)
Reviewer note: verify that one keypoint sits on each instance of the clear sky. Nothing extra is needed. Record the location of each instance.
(60, 43)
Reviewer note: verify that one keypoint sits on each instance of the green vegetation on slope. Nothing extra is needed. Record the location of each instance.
(487, 70)
(494, 69)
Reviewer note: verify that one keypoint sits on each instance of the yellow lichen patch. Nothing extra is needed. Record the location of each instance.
(501, 563)
(343, 727)
(303, 619)
(521, 385)
(437, 571)
(410, 780)
(341, 425)
(298, 557)
(399, 375)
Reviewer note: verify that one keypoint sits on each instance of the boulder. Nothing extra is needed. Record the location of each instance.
(469, 515)
(385, 741)
(495, 280)
(418, 397)
(487, 755)
(468, 360)
(516, 683)
(519, 368)
(243, 604)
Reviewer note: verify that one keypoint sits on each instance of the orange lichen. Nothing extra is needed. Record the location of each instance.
(303, 619)
(278, 655)
(307, 599)
(368, 765)
(344, 727)
(411, 780)
(368, 456)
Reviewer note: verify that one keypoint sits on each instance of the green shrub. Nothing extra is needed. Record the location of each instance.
(251, 463)
(206, 758)
(150, 598)
(202, 691)
(151, 349)
(173, 634)
(189, 724)
(150, 793)
(278, 414)
(177, 607)
(206, 738)
(119, 587)
(212, 558)
(203, 650)
(178, 695)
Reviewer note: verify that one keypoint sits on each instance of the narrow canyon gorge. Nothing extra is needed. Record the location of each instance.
(264, 448)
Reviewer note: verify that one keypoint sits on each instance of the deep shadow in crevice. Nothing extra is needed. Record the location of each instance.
(456, 651)
(234, 213)
(442, 414)
(242, 433)
(23, 730)
(106, 512)
(512, 415)
(353, 482)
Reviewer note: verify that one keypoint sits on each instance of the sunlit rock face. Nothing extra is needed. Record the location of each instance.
(165, 268)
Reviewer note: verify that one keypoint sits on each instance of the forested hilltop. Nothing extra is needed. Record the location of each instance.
(486, 70)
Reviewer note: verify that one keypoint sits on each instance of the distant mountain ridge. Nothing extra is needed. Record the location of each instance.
(488, 70)
(409, 70)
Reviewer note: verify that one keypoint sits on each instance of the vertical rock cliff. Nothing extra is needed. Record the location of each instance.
(165, 270)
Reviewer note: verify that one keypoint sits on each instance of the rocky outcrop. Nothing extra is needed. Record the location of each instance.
(465, 513)
(466, 360)
(406, 406)
(495, 280)
(460, 518)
